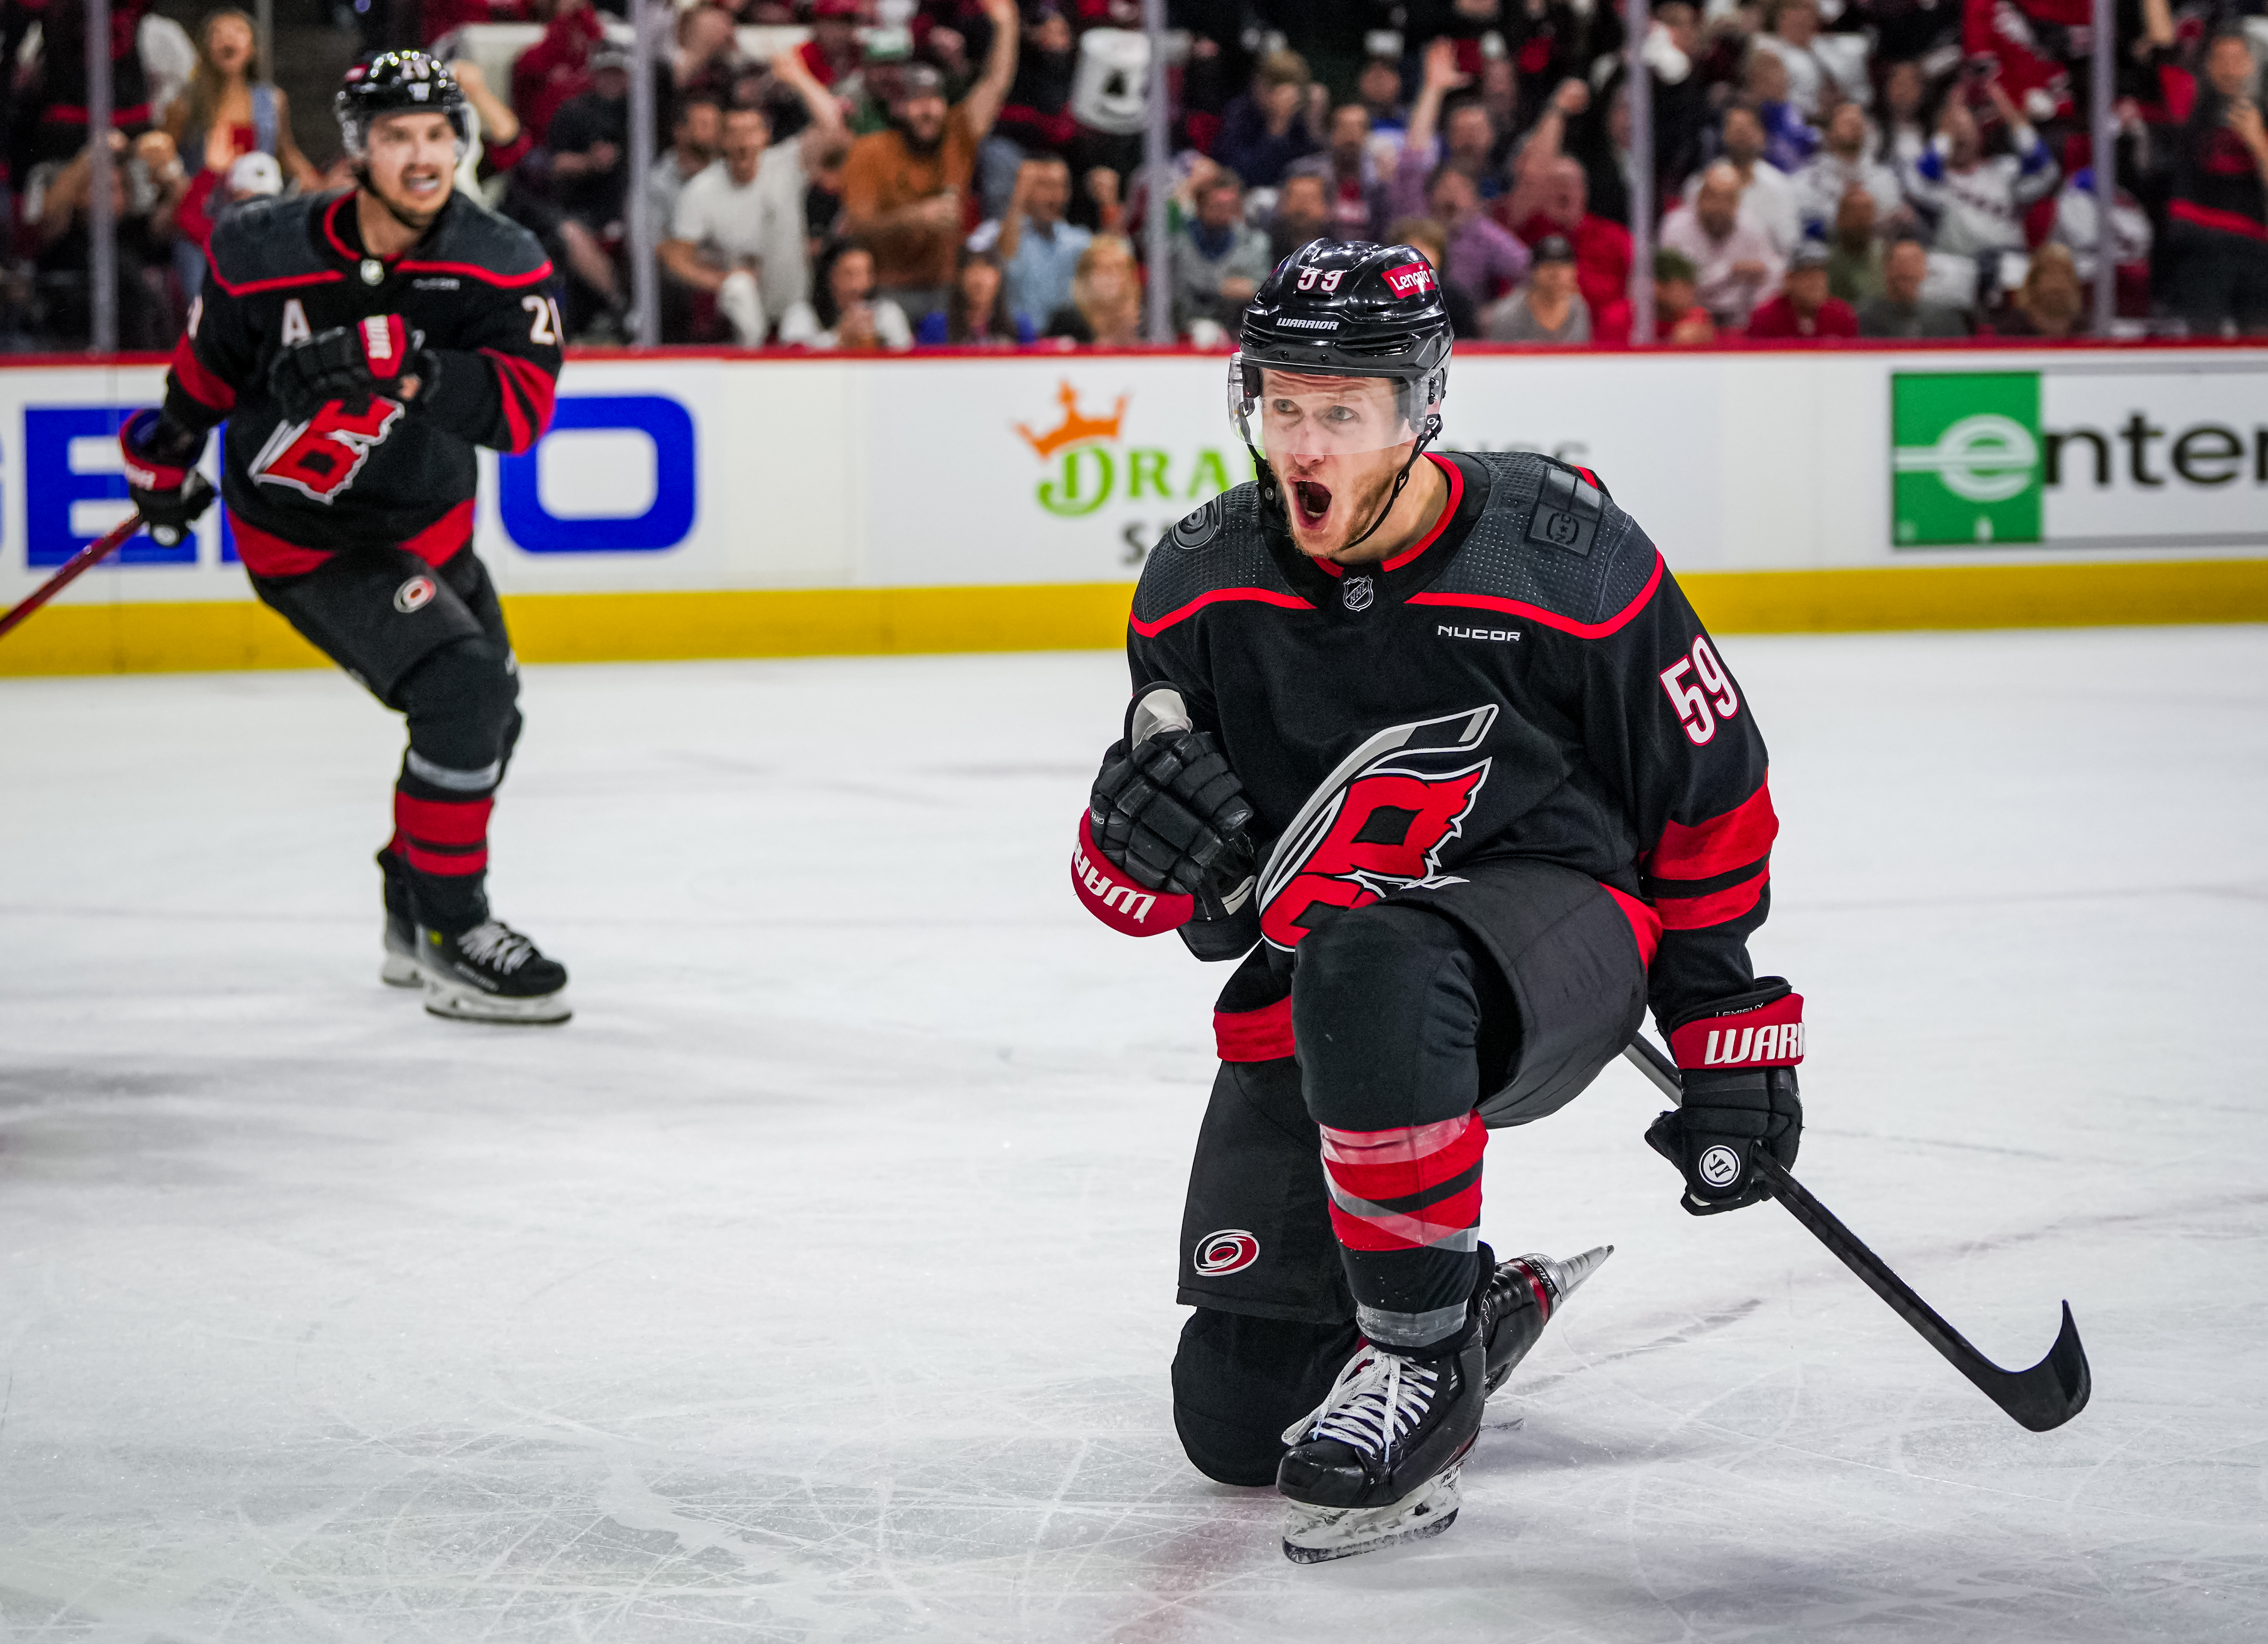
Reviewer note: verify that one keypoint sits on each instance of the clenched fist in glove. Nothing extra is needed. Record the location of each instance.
(161, 475)
(1167, 808)
(380, 355)
(1162, 845)
(1736, 1064)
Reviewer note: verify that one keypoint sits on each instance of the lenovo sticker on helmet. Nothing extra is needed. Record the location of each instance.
(1411, 279)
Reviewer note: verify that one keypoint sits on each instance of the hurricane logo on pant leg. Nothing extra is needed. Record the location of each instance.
(1229, 1251)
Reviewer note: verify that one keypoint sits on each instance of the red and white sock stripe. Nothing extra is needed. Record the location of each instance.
(445, 836)
(1415, 1187)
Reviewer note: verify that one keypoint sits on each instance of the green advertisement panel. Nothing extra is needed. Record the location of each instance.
(1965, 453)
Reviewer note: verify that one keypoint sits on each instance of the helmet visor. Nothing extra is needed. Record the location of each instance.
(1319, 414)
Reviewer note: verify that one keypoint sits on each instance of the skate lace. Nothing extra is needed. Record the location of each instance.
(497, 945)
(1378, 1398)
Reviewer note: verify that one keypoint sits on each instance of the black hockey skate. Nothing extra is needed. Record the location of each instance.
(400, 967)
(491, 973)
(1519, 1298)
(1376, 1462)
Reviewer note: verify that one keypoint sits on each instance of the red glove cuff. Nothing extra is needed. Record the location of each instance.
(384, 346)
(1762, 1036)
(1117, 900)
(144, 471)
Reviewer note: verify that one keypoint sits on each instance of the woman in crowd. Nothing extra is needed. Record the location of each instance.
(2051, 303)
(842, 312)
(975, 316)
(1105, 296)
(2218, 230)
(229, 110)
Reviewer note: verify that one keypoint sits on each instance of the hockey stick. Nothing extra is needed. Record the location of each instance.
(99, 549)
(2046, 1396)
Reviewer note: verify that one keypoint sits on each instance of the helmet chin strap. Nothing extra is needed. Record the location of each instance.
(1272, 494)
(1417, 450)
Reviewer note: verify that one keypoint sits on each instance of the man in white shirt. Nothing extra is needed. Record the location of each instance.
(1832, 171)
(1766, 194)
(1739, 265)
(739, 230)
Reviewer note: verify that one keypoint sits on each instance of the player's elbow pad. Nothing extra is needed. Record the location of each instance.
(1112, 895)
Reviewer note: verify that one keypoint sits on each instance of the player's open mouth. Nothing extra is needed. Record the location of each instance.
(1311, 503)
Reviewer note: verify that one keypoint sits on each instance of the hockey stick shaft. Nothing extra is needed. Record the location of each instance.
(2046, 1396)
(85, 560)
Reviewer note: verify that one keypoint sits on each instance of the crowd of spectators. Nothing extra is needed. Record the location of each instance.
(895, 174)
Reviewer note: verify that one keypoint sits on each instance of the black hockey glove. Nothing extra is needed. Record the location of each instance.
(349, 364)
(1736, 1061)
(1172, 815)
(161, 475)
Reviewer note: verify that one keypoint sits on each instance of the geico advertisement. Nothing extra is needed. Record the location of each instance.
(2081, 455)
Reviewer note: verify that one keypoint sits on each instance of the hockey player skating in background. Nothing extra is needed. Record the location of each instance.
(359, 345)
(1435, 743)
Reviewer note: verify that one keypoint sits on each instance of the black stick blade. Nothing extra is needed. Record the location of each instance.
(2053, 1391)
(2046, 1396)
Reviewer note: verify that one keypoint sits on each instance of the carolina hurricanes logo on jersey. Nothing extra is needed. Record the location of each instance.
(321, 456)
(1377, 823)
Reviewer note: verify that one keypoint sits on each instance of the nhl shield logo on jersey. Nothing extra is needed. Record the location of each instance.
(1358, 592)
(414, 595)
(1378, 823)
(1231, 1250)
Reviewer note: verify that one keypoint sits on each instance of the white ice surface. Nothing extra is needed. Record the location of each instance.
(817, 1282)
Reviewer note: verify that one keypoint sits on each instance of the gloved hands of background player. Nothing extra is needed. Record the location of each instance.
(1167, 808)
(161, 475)
(1736, 1064)
(351, 364)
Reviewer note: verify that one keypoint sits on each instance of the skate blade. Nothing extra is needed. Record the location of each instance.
(400, 970)
(463, 1004)
(1316, 1534)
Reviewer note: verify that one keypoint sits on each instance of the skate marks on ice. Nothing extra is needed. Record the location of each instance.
(816, 1283)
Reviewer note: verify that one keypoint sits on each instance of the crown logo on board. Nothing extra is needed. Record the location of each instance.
(1073, 428)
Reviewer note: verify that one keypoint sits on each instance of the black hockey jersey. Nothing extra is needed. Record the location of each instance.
(476, 286)
(1527, 681)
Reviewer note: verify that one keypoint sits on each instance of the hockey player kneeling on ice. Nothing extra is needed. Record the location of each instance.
(1433, 744)
(359, 345)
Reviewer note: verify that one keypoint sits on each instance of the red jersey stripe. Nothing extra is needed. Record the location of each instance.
(1265, 596)
(1456, 499)
(1695, 913)
(1740, 837)
(1645, 923)
(198, 380)
(1551, 619)
(1254, 1036)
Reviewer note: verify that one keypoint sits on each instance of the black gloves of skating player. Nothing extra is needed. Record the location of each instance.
(1736, 1064)
(349, 364)
(1172, 814)
(161, 475)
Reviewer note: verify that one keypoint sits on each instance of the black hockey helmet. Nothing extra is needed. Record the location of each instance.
(395, 83)
(1350, 309)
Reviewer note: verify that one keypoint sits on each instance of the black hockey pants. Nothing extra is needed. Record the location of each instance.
(430, 643)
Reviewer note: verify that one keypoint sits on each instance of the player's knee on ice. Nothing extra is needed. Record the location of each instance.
(1399, 1018)
(463, 706)
(1240, 1381)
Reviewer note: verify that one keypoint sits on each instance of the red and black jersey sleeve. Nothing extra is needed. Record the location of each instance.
(499, 391)
(1665, 723)
(213, 363)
